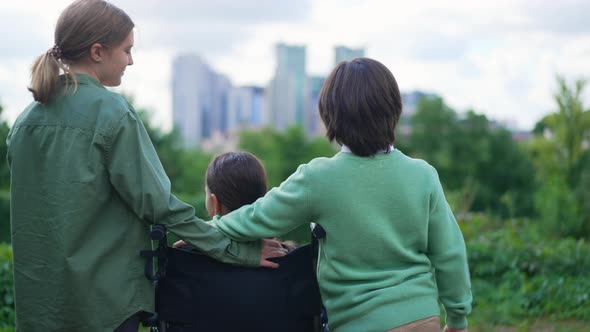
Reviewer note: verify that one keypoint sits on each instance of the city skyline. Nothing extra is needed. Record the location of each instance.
(209, 114)
(498, 58)
(207, 106)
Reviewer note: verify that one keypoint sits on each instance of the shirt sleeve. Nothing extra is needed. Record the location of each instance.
(136, 173)
(447, 252)
(281, 210)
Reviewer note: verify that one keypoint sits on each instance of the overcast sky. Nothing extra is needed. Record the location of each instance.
(498, 57)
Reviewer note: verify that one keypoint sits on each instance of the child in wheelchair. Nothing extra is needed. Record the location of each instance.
(197, 293)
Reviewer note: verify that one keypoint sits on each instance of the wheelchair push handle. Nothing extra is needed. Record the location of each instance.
(158, 232)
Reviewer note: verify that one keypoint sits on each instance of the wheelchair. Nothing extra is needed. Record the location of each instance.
(194, 292)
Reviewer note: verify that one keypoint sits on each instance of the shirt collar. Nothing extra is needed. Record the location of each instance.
(346, 149)
(82, 79)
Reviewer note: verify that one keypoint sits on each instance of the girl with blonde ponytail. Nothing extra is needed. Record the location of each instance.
(86, 183)
(44, 74)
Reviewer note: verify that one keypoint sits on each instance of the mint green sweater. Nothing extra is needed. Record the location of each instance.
(393, 247)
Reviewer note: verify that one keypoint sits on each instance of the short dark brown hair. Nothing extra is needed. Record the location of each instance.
(236, 178)
(360, 105)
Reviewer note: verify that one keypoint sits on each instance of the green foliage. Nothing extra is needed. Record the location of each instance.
(518, 273)
(4, 170)
(265, 145)
(4, 183)
(480, 164)
(282, 153)
(571, 126)
(197, 200)
(185, 167)
(190, 168)
(558, 208)
(7, 314)
(561, 152)
(4, 216)
(433, 126)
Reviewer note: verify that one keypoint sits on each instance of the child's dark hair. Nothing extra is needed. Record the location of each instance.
(236, 178)
(360, 105)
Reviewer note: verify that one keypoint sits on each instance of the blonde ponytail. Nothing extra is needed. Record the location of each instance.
(45, 75)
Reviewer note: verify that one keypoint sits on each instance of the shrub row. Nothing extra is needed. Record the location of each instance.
(518, 273)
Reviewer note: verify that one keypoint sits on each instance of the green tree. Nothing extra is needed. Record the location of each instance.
(282, 153)
(433, 127)
(4, 183)
(185, 167)
(561, 151)
(571, 127)
(479, 163)
(266, 144)
(4, 170)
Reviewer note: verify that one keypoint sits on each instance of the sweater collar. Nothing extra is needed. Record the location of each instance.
(346, 149)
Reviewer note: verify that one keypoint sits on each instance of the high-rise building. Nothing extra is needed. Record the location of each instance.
(313, 122)
(188, 72)
(258, 111)
(246, 108)
(199, 99)
(218, 118)
(288, 89)
(343, 53)
(206, 107)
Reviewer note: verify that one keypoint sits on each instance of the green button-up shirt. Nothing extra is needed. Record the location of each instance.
(86, 184)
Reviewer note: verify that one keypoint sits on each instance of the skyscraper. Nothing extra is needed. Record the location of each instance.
(218, 118)
(188, 73)
(246, 108)
(199, 99)
(313, 123)
(288, 89)
(343, 53)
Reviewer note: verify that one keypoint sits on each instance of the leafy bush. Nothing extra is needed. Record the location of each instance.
(518, 273)
(4, 216)
(7, 315)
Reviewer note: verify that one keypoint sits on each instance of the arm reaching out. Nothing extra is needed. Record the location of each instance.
(270, 249)
(138, 177)
(281, 210)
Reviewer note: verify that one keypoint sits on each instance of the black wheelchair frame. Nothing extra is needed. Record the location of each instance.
(289, 300)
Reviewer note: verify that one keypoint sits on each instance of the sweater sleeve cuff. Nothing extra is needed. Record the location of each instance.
(456, 322)
(251, 251)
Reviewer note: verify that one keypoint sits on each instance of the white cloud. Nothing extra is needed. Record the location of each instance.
(148, 81)
(14, 80)
(251, 11)
(497, 57)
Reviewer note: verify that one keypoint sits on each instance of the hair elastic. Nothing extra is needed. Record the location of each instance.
(55, 52)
